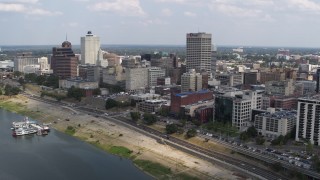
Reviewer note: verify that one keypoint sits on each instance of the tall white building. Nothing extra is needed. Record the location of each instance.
(191, 81)
(90, 49)
(242, 108)
(308, 120)
(136, 79)
(20, 62)
(153, 74)
(199, 52)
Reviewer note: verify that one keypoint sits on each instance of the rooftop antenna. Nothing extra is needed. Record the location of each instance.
(66, 36)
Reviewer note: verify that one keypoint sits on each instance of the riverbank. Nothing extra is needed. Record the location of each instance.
(161, 161)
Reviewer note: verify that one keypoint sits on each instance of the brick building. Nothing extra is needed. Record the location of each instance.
(64, 62)
(182, 99)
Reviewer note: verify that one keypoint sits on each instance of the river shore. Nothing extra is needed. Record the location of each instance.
(117, 139)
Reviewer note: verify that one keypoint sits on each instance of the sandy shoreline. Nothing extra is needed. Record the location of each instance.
(92, 129)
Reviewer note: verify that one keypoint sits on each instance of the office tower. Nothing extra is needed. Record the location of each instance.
(250, 78)
(191, 81)
(153, 74)
(136, 79)
(318, 80)
(308, 120)
(64, 62)
(199, 52)
(90, 49)
(23, 60)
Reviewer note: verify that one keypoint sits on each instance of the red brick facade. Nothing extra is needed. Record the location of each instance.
(182, 99)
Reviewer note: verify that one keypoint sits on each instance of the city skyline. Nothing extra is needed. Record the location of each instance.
(287, 23)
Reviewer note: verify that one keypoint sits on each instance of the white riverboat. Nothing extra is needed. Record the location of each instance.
(26, 127)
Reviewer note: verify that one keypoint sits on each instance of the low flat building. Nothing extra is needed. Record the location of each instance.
(191, 108)
(151, 106)
(78, 83)
(180, 100)
(144, 97)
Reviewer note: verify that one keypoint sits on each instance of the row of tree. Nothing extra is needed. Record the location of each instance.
(49, 81)
(111, 103)
(10, 90)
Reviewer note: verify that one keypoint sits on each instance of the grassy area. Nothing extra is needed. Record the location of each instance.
(70, 130)
(116, 150)
(184, 176)
(120, 151)
(19, 108)
(155, 169)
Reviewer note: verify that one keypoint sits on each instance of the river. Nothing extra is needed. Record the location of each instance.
(57, 156)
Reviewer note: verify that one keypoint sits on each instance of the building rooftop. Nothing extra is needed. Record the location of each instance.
(280, 114)
(189, 93)
(78, 79)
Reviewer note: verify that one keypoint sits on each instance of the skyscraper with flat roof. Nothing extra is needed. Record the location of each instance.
(64, 62)
(199, 52)
(90, 49)
(318, 80)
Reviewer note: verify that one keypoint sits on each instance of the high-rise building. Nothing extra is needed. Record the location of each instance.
(199, 52)
(318, 80)
(136, 79)
(308, 120)
(153, 74)
(90, 49)
(283, 88)
(23, 60)
(64, 62)
(191, 81)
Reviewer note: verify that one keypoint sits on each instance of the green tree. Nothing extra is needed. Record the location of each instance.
(191, 133)
(309, 147)
(171, 128)
(244, 136)
(149, 119)
(252, 132)
(260, 140)
(40, 79)
(31, 77)
(17, 73)
(110, 103)
(10, 90)
(75, 93)
(164, 111)
(135, 116)
(52, 81)
(21, 80)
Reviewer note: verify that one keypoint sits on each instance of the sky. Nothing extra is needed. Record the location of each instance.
(287, 23)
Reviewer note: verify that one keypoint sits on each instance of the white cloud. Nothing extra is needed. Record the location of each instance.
(236, 11)
(12, 7)
(190, 14)
(304, 5)
(123, 7)
(73, 24)
(153, 22)
(19, 1)
(166, 12)
(21, 8)
(36, 11)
